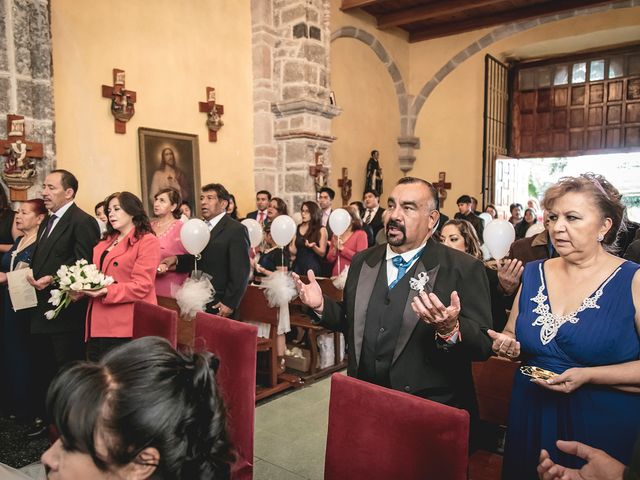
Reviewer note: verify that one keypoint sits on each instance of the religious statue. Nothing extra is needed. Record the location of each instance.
(18, 165)
(318, 171)
(374, 173)
(122, 106)
(214, 120)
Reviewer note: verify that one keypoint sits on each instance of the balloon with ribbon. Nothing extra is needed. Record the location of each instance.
(283, 229)
(498, 236)
(486, 218)
(194, 236)
(255, 231)
(339, 221)
(534, 229)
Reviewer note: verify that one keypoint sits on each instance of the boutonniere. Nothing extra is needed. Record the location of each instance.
(419, 283)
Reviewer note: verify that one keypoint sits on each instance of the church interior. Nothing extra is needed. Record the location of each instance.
(289, 95)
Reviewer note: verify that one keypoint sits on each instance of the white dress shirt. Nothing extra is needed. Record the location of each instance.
(211, 223)
(392, 270)
(59, 213)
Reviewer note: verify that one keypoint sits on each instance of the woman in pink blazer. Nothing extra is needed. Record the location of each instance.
(130, 253)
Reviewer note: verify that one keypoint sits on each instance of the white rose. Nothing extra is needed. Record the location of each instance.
(49, 314)
(65, 282)
(55, 297)
(76, 286)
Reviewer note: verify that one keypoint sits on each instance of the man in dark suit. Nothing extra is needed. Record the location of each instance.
(373, 212)
(263, 197)
(400, 335)
(68, 235)
(226, 256)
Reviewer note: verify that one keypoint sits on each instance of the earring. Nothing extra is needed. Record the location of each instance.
(600, 238)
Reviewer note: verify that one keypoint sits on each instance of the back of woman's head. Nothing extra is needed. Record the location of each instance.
(144, 395)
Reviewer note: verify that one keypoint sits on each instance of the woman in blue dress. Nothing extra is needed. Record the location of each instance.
(15, 325)
(577, 316)
(310, 243)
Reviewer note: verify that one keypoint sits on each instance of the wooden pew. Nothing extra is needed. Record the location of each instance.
(300, 319)
(254, 308)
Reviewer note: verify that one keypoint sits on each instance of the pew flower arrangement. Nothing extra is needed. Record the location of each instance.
(74, 278)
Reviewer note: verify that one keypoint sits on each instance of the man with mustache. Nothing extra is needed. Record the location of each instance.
(415, 312)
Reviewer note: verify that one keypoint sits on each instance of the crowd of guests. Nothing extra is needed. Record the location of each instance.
(420, 304)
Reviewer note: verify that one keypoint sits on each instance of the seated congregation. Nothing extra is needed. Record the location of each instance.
(543, 340)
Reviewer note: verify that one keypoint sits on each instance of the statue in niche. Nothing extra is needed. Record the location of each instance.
(374, 173)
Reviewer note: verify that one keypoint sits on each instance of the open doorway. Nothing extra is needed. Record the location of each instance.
(518, 180)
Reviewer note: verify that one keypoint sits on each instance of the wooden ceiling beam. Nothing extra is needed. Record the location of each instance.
(351, 4)
(433, 10)
(532, 11)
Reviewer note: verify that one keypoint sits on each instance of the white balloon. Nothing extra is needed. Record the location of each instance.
(486, 218)
(297, 217)
(255, 231)
(194, 236)
(283, 228)
(534, 229)
(498, 236)
(339, 221)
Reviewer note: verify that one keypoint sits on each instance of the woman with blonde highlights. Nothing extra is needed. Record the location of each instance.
(577, 317)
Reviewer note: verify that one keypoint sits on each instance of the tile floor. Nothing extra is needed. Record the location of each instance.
(290, 436)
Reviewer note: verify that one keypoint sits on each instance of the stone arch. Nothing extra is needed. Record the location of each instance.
(499, 33)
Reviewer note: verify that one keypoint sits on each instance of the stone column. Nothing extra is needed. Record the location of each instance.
(291, 55)
(25, 76)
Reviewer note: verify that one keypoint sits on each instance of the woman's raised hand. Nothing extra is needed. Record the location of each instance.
(504, 345)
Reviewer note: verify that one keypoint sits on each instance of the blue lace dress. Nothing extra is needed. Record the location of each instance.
(601, 332)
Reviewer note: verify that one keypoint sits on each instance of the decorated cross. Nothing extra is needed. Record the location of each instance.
(122, 101)
(442, 187)
(345, 186)
(319, 172)
(19, 168)
(214, 114)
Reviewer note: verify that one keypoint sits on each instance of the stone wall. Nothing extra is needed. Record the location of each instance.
(292, 112)
(26, 76)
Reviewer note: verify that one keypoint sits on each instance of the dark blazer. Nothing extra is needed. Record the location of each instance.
(73, 238)
(421, 364)
(376, 222)
(474, 220)
(226, 259)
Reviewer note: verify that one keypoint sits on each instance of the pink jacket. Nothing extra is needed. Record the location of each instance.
(354, 244)
(132, 264)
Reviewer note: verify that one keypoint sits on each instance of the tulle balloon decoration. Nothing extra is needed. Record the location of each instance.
(255, 231)
(283, 228)
(534, 229)
(498, 237)
(339, 221)
(194, 236)
(486, 218)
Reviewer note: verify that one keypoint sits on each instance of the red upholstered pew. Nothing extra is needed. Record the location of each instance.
(378, 434)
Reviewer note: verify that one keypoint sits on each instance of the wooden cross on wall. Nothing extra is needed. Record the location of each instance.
(442, 187)
(122, 101)
(19, 168)
(319, 172)
(214, 113)
(345, 187)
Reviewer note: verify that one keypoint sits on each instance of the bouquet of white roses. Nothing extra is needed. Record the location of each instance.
(77, 277)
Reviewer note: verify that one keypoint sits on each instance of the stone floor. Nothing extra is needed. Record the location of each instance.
(290, 437)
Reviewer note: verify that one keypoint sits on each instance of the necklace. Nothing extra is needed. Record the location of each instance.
(25, 242)
(117, 240)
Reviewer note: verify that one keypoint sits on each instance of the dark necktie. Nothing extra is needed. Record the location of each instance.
(367, 218)
(47, 230)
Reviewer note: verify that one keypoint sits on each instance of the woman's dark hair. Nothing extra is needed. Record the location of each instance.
(315, 221)
(234, 212)
(604, 196)
(145, 394)
(356, 221)
(133, 206)
(100, 205)
(281, 206)
(533, 214)
(37, 206)
(469, 235)
(360, 206)
(495, 210)
(174, 198)
(5, 206)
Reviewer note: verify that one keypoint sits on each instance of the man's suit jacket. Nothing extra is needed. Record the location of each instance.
(421, 364)
(226, 259)
(72, 239)
(254, 215)
(376, 222)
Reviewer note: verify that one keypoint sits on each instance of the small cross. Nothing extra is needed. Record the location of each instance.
(122, 101)
(214, 113)
(319, 172)
(19, 168)
(345, 186)
(442, 187)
